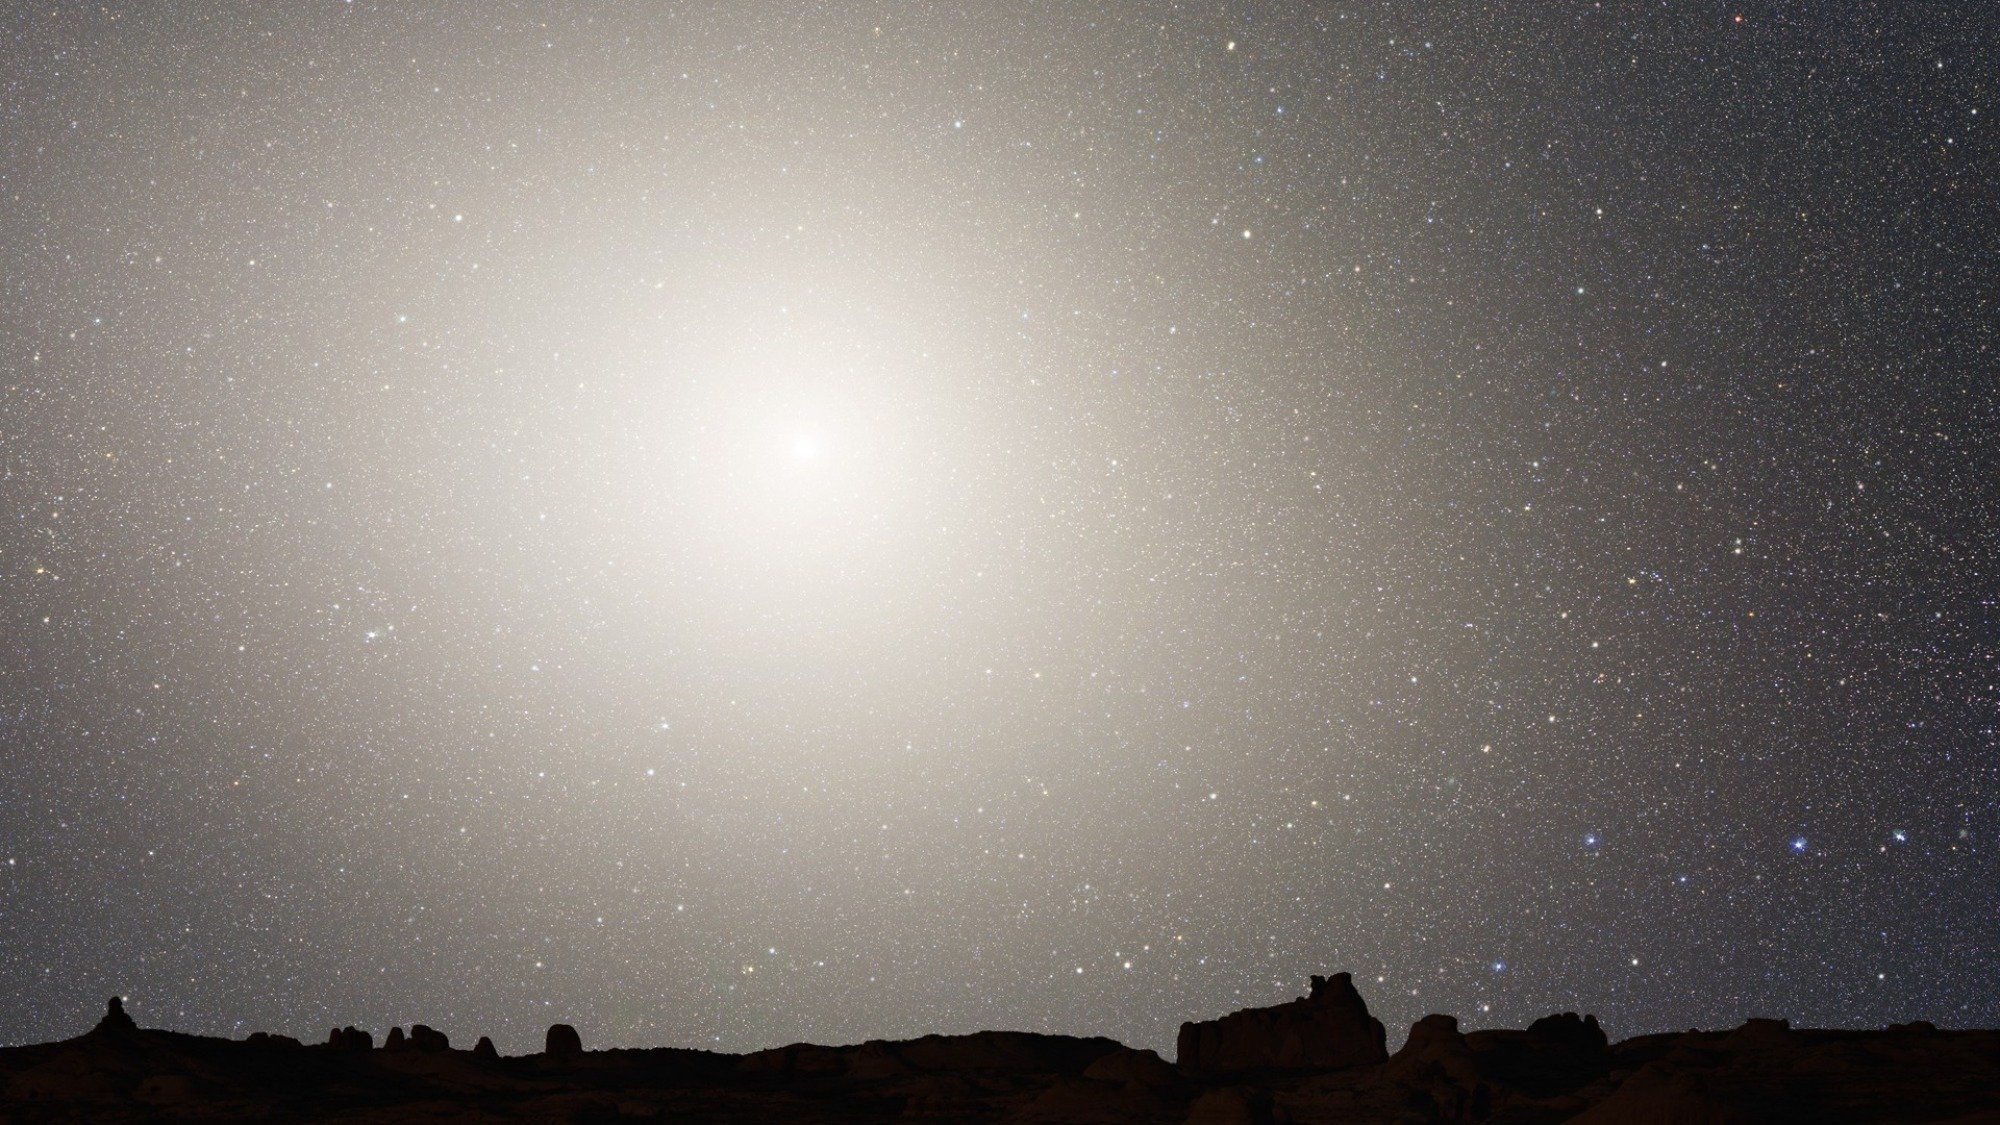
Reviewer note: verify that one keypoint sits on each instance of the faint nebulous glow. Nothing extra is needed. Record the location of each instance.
(847, 489)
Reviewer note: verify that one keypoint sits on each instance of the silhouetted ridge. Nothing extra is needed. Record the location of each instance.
(1328, 1028)
(1318, 1058)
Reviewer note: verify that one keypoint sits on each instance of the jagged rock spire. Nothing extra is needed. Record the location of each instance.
(115, 1021)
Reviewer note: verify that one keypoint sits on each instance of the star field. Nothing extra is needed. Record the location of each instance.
(733, 524)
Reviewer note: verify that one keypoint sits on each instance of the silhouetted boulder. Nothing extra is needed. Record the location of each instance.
(562, 1042)
(484, 1050)
(1437, 1067)
(349, 1039)
(1556, 1055)
(1327, 1029)
(1569, 1031)
(1765, 1033)
(1432, 1037)
(115, 1021)
(424, 1038)
(395, 1040)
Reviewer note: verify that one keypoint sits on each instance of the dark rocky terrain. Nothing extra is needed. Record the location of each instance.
(1317, 1059)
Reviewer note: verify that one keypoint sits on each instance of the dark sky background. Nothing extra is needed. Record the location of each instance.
(727, 525)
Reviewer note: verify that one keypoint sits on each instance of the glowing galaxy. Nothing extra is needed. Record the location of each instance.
(731, 524)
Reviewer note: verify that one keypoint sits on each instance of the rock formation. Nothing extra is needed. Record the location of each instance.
(562, 1042)
(349, 1039)
(1291, 1064)
(1127, 1065)
(115, 1021)
(1327, 1029)
(424, 1038)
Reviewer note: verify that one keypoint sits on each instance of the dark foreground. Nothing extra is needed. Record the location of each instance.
(1317, 1059)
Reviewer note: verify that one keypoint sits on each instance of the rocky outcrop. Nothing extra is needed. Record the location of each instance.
(115, 1022)
(1435, 1048)
(1470, 1077)
(562, 1042)
(1556, 1055)
(1558, 1069)
(424, 1038)
(1329, 1028)
(349, 1039)
(1570, 1031)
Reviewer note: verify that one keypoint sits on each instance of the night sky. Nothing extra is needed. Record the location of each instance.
(732, 524)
